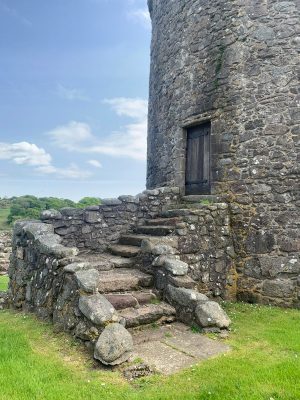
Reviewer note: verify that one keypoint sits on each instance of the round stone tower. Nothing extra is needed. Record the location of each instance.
(224, 118)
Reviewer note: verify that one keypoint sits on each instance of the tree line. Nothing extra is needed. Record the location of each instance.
(30, 207)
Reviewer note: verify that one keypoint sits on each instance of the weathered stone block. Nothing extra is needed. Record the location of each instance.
(161, 249)
(184, 297)
(182, 281)
(88, 280)
(98, 309)
(176, 267)
(120, 301)
(77, 266)
(279, 288)
(210, 314)
(114, 345)
(84, 332)
(50, 214)
(111, 202)
(92, 217)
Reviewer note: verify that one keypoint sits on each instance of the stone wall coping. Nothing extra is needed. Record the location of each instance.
(43, 235)
(73, 212)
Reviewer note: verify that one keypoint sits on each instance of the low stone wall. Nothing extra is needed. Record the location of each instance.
(45, 280)
(5, 251)
(97, 226)
(205, 244)
(202, 239)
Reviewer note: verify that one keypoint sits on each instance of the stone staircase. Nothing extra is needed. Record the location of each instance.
(128, 289)
(138, 281)
(131, 291)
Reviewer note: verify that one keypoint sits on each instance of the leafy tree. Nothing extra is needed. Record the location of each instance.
(5, 202)
(89, 201)
(30, 207)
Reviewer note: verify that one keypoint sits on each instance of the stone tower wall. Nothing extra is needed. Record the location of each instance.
(236, 63)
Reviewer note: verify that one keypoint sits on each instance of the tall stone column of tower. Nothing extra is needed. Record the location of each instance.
(224, 118)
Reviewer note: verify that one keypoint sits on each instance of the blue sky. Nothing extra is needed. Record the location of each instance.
(73, 97)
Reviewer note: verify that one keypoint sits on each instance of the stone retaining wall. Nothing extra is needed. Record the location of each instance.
(5, 251)
(203, 240)
(43, 280)
(97, 226)
(47, 279)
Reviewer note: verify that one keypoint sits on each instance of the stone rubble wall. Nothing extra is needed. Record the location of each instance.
(44, 279)
(204, 235)
(235, 63)
(5, 251)
(98, 226)
(203, 240)
(208, 267)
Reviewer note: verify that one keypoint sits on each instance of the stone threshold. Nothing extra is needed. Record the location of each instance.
(170, 348)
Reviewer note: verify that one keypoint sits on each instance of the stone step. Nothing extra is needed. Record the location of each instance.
(176, 212)
(159, 230)
(163, 221)
(123, 280)
(183, 210)
(120, 262)
(124, 250)
(131, 299)
(104, 261)
(148, 314)
(209, 198)
(133, 239)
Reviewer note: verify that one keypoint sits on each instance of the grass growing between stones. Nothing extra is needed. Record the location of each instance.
(3, 283)
(264, 363)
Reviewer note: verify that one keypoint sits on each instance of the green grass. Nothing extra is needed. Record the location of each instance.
(3, 219)
(3, 283)
(264, 364)
(206, 202)
(195, 329)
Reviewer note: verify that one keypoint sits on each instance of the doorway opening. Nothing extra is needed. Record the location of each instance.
(198, 160)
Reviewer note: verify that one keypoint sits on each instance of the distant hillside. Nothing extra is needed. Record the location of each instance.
(30, 207)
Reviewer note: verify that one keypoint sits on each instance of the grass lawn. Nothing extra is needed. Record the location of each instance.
(3, 283)
(3, 218)
(264, 363)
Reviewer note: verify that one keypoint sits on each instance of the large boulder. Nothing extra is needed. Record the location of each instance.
(114, 345)
(184, 297)
(98, 309)
(210, 314)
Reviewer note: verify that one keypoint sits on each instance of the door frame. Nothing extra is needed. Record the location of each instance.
(200, 121)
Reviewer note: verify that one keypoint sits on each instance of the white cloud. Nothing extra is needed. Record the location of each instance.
(70, 136)
(71, 172)
(129, 141)
(71, 93)
(142, 16)
(24, 153)
(95, 163)
(133, 108)
(30, 154)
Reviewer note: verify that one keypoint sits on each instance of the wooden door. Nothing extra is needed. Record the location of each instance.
(197, 180)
